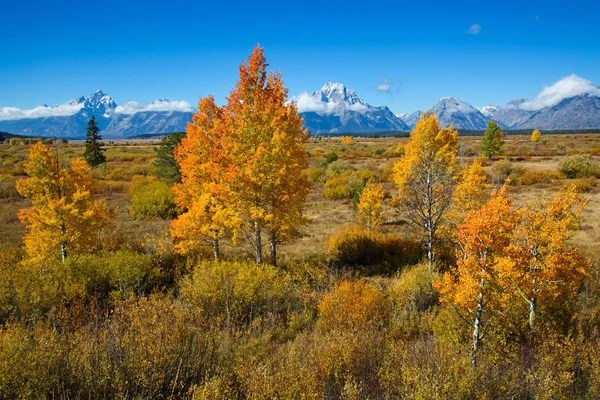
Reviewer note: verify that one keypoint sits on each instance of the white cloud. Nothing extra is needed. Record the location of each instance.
(474, 29)
(61, 110)
(133, 107)
(567, 87)
(385, 86)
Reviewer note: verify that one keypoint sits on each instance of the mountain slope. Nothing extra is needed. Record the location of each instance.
(579, 112)
(337, 109)
(145, 122)
(510, 115)
(160, 116)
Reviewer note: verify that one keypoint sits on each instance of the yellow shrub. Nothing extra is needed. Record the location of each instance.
(533, 177)
(353, 305)
(355, 246)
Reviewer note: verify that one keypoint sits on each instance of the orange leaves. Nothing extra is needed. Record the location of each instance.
(482, 239)
(509, 256)
(353, 305)
(242, 164)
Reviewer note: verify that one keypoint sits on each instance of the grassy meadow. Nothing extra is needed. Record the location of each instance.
(136, 320)
(127, 159)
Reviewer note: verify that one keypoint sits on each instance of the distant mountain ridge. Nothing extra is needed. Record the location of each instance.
(113, 121)
(338, 109)
(571, 103)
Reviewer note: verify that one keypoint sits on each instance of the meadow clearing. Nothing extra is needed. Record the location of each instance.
(364, 318)
(129, 158)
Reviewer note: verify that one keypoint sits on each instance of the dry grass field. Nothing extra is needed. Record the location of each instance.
(127, 159)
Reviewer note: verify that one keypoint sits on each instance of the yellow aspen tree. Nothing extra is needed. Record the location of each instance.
(471, 193)
(268, 149)
(544, 266)
(370, 206)
(535, 136)
(64, 216)
(425, 177)
(347, 140)
(474, 286)
(212, 211)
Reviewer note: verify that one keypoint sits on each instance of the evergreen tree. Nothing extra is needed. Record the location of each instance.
(167, 168)
(94, 153)
(492, 142)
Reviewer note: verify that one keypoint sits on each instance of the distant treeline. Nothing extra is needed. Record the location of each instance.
(463, 132)
(153, 135)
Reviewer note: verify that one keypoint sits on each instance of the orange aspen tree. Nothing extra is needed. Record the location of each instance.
(425, 177)
(474, 287)
(535, 136)
(205, 191)
(544, 267)
(370, 206)
(64, 215)
(268, 148)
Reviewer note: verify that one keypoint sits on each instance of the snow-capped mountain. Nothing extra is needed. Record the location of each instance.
(70, 119)
(337, 109)
(464, 116)
(450, 110)
(579, 112)
(488, 111)
(510, 115)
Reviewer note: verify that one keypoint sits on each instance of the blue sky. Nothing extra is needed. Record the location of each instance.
(53, 51)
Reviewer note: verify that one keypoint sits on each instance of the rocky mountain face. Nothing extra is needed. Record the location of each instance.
(571, 103)
(337, 109)
(450, 110)
(579, 112)
(112, 123)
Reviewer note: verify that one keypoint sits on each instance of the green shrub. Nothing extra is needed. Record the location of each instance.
(579, 167)
(346, 186)
(151, 198)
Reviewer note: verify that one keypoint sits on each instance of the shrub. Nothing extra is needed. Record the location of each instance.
(151, 198)
(504, 169)
(357, 247)
(584, 185)
(345, 186)
(315, 174)
(579, 167)
(412, 294)
(338, 167)
(353, 305)
(533, 177)
(238, 291)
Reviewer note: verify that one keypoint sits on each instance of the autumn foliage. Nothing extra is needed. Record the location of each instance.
(64, 216)
(425, 177)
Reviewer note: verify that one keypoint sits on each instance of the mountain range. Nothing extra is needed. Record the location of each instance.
(70, 119)
(571, 103)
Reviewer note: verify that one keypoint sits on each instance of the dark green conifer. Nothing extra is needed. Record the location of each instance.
(94, 152)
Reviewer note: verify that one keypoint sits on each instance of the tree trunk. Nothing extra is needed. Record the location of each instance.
(259, 259)
(430, 253)
(273, 246)
(477, 328)
(216, 249)
(63, 251)
(532, 308)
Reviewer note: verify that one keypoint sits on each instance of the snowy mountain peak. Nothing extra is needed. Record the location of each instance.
(451, 104)
(488, 111)
(99, 103)
(333, 92)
